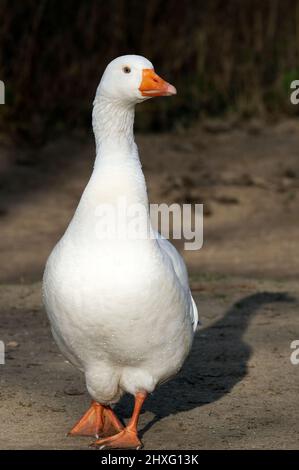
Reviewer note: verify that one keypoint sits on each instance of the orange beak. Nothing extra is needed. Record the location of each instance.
(153, 85)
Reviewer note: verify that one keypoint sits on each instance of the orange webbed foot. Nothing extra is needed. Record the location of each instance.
(99, 420)
(128, 437)
(125, 439)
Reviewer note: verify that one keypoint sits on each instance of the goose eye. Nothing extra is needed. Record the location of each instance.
(126, 69)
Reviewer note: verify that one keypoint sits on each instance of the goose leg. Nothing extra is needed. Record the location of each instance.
(128, 437)
(99, 420)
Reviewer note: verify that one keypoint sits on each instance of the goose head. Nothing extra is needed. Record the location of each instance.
(130, 79)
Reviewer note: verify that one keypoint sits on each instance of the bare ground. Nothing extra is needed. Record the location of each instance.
(238, 388)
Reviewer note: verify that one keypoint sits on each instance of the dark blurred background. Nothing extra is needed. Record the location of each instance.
(224, 57)
(229, 139)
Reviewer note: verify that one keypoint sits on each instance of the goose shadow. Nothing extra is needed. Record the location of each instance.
(217, 362)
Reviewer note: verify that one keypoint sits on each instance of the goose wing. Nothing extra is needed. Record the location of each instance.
(180, 269)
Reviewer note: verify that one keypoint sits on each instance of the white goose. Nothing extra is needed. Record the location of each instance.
(120, 308)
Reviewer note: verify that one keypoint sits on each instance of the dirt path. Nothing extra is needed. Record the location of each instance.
(238, 388)
(247, 179)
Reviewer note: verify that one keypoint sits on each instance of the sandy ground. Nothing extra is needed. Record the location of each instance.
(238, 388)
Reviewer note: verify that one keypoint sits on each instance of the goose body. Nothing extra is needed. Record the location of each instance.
(120, 308)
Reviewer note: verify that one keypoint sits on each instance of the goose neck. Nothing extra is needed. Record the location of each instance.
(113, 123)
